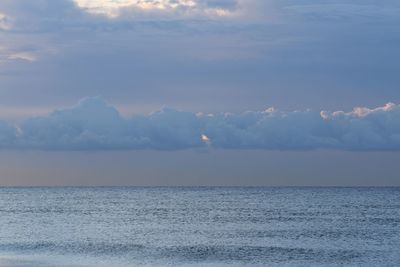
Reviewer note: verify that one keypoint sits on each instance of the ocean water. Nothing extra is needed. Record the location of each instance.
(135, 226)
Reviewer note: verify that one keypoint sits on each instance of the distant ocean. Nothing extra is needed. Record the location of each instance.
(199, 226)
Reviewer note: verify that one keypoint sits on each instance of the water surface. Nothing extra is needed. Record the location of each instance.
(151, 226)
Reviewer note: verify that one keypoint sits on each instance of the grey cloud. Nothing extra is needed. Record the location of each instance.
(95, 125)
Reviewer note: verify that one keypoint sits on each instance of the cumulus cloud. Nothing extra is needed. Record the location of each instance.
(95, 125)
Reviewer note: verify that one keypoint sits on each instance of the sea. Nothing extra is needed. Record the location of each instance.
(199, 226)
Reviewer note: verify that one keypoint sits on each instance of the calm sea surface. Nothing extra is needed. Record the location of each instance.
(133, 226)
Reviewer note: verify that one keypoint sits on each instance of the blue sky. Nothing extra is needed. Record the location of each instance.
(239, 79)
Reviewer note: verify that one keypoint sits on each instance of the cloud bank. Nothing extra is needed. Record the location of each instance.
(95, 125)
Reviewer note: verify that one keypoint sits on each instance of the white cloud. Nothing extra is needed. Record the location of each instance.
(95, 125)
(361, 111)
(115, 9)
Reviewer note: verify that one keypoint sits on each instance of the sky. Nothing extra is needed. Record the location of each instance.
(200, 92)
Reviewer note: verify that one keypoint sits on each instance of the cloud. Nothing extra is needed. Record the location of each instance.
(366, 129)
(129, 8)
(25, 56)
(20, 54)
(268, 50)
(95, 125)
(5, 22)
(361, 129)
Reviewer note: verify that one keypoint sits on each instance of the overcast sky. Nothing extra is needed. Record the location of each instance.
(199, 92)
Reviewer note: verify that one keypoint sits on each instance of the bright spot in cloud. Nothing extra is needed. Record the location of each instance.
(205, 138)
(270, 110)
